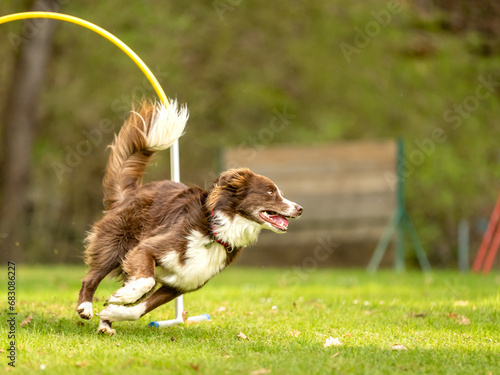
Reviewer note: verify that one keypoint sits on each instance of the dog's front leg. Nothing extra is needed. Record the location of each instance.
(115, 313)
(139, 265)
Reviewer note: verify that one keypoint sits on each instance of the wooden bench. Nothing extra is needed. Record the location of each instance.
(348, 196)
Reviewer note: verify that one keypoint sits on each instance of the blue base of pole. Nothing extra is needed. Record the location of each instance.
(172, 322)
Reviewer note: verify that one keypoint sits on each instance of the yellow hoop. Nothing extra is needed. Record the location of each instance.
(99, 30)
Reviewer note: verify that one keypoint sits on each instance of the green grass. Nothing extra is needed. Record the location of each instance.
(368, 313)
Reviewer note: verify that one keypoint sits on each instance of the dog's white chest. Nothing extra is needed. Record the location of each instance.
(200, 264)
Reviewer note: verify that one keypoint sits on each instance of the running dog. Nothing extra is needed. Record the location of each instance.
(165, 239)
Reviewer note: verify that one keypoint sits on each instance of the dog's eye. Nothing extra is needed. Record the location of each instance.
(270, 192)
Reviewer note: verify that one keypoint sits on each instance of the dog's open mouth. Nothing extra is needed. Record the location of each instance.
(278, 221)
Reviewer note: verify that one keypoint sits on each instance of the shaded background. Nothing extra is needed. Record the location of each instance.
(235, 63)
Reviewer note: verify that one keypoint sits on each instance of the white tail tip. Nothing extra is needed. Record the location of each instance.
(167, 125)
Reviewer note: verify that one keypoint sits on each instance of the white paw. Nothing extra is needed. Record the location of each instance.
(85, 310)
(104, 327)
(132, 291)
(115, 313)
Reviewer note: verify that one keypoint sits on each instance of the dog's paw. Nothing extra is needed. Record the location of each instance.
(85, 310)
(114, 313)
(105, 328)
(118, 299)
(132, 291)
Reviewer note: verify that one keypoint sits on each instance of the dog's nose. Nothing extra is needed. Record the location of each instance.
(299, 209)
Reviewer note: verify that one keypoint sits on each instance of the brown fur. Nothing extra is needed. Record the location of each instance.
(128, 158)
(143, 224)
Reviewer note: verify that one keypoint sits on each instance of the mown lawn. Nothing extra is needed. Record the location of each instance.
(449, 323)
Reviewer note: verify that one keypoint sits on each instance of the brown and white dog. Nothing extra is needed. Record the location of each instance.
(165, 233)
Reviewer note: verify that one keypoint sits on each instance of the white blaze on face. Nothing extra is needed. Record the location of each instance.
(291, 205)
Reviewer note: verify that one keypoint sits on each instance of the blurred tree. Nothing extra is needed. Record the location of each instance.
(19, 122)
(237, 68)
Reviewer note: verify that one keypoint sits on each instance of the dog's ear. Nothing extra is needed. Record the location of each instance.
(233, 178)
(229, 184)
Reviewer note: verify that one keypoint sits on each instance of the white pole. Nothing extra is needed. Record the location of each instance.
(175, 176)
(175, 173)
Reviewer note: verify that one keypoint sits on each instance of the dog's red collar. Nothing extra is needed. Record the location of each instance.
(228, 247)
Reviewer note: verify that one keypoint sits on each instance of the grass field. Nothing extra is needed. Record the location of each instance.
(449, 324)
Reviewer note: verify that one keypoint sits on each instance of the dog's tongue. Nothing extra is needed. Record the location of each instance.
(279, 221)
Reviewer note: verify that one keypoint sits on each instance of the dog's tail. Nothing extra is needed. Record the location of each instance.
(153, 127)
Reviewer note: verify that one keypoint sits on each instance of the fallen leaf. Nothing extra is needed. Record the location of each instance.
(336, 354)
(2, 351)
(81, 364)
(221, 309)
(460, 319)
(185, 316)
(460, 303)
(27, 320)
(419, 315)
(463, 320)
(330, 341)
(195, 367)
(295, 333)
(399, 347)
(367, 312)
(241, 335)
(261, 371)
(348, 335)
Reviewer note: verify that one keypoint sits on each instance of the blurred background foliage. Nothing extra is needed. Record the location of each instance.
(235, 63)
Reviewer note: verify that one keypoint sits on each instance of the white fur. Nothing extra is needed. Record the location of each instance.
(116, 313)
(132, 290)
(291, 205)
(167, 125)
(104, 327)
(87, 310)
(201, 264)
(238, 231)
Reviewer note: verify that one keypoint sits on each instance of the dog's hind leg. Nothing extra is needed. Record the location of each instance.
(89, 285)
(139, 265)
(114, 313)
(102, 255)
